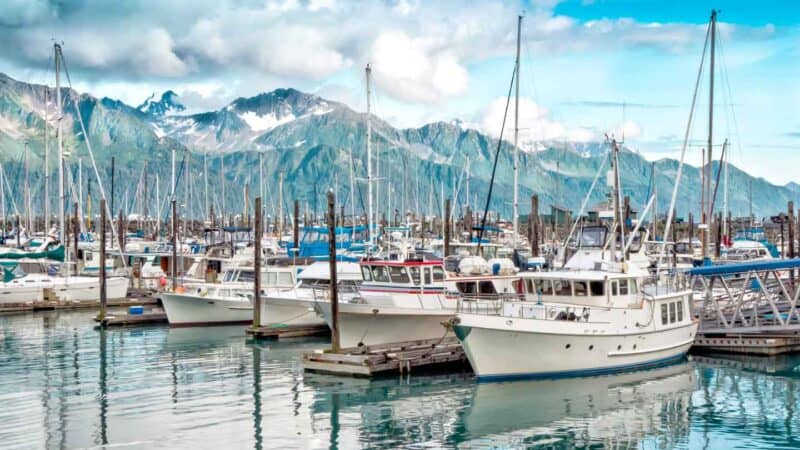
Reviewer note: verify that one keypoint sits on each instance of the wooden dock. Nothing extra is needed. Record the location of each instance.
(281, 331)
(47, 305)
(375, 360)
(152, 317)
(750, 344)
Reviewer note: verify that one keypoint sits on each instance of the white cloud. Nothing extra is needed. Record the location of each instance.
(413, 70)
(535, 124)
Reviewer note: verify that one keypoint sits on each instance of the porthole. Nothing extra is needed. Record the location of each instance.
(634, 346)
(591, 347)
(619, 347)
(568, 346)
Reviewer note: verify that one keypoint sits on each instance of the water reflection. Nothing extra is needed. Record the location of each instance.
(65, 385)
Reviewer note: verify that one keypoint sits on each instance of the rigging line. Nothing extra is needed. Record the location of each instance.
(496, 159)
(727, 84)
(8, 188)
(716, 183)
(91, 153)
(671, 212)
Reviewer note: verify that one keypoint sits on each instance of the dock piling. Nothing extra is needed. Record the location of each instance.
(334, 288)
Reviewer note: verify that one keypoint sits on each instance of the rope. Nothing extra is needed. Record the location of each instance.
(496, 159)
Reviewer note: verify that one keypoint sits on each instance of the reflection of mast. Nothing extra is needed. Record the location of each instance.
(103, 380)
(257, 398)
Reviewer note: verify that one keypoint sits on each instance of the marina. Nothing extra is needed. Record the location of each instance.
(287, 271)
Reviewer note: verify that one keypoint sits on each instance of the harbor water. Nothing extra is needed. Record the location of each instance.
(65, 384)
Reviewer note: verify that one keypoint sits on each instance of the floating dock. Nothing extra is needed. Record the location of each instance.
(46, 305)
(375, 360)
(281, 331)
(152, 317)
(747, 344)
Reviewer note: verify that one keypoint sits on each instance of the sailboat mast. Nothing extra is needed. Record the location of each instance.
(205, 187)
(46, 164)
(368, 71)
(60, 140)
(709, 152)
(725, 187)
(352, 197)
(27, 191)
(515, 212)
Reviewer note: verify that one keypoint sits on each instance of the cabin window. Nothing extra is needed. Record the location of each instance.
(596, 288)
(399, 275)
(623, 287)
(672, 312)
(380, 274)
(284, 278)
(246, 277)
(634, 287)
(529, 287)
(414, 271)
(580, 288)
(663, 314)
(88, 256)
(438, 273)
(427, 271)
(680, 311)
(486, 287)
(562, 287)
(366, 273)
(543, 286)
(272, 278)
(466, 288)
(614, 288)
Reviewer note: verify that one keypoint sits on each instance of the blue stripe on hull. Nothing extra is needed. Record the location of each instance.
(583, 373)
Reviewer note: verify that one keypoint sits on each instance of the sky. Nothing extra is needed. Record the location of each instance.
(626, 68)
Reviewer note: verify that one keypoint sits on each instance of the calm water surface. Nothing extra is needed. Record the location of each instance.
(64, 384)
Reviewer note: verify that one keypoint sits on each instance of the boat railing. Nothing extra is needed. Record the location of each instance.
(487, 304)
(514, 308)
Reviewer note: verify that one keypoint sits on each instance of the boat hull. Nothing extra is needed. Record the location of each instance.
(362, 324)
(289, 311)
(496, 353)
(193, 310)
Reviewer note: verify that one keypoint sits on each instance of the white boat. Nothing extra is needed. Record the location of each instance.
(296, 305)
(38, 285)
(575, 323)
(226, 303)
(408, 301)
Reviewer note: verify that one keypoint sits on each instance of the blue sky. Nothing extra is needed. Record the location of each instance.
(581, 61)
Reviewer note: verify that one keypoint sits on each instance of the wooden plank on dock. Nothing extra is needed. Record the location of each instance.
(382, 359)
(761, 344)
(282, 331)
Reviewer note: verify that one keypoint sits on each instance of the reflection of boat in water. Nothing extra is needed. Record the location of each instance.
(607, 409)
(186, 338)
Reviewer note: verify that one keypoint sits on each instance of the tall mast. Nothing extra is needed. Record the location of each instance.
(222, 186)
(280, 207)
(60, 140)
(724, 187)
(618, 217)
(515, 212)
(352, 197)
(46, 164)
(27, 190)
(80, 189)
(368, 71)
(709, 152)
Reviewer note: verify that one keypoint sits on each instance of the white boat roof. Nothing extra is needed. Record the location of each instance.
(579, 275)
(321, 271)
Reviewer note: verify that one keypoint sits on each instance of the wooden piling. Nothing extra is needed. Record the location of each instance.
(76, 230)
(174, 244)
(103, 296)
(447, 228)
(334, 288)
(296, 224)
(534, 238)
(257, 264)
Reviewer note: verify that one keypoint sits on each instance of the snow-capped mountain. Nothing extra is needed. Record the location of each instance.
(168, 104)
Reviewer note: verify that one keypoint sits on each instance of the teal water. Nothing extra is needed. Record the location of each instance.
(64, 384)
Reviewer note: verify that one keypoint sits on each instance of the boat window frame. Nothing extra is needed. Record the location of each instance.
(576, 292)
(672, 312)
(399, 275)
(415, 280)
(386, 278)
(438, 273)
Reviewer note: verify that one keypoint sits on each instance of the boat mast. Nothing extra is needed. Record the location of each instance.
(368, 71)
(46, 164)
(515, 212)
(352, 197)
(222, 187)
(725, 187)
(27, 190)
(60, 140)
(205, 187)
(618, 217)
(709, 152)
(280, 207)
